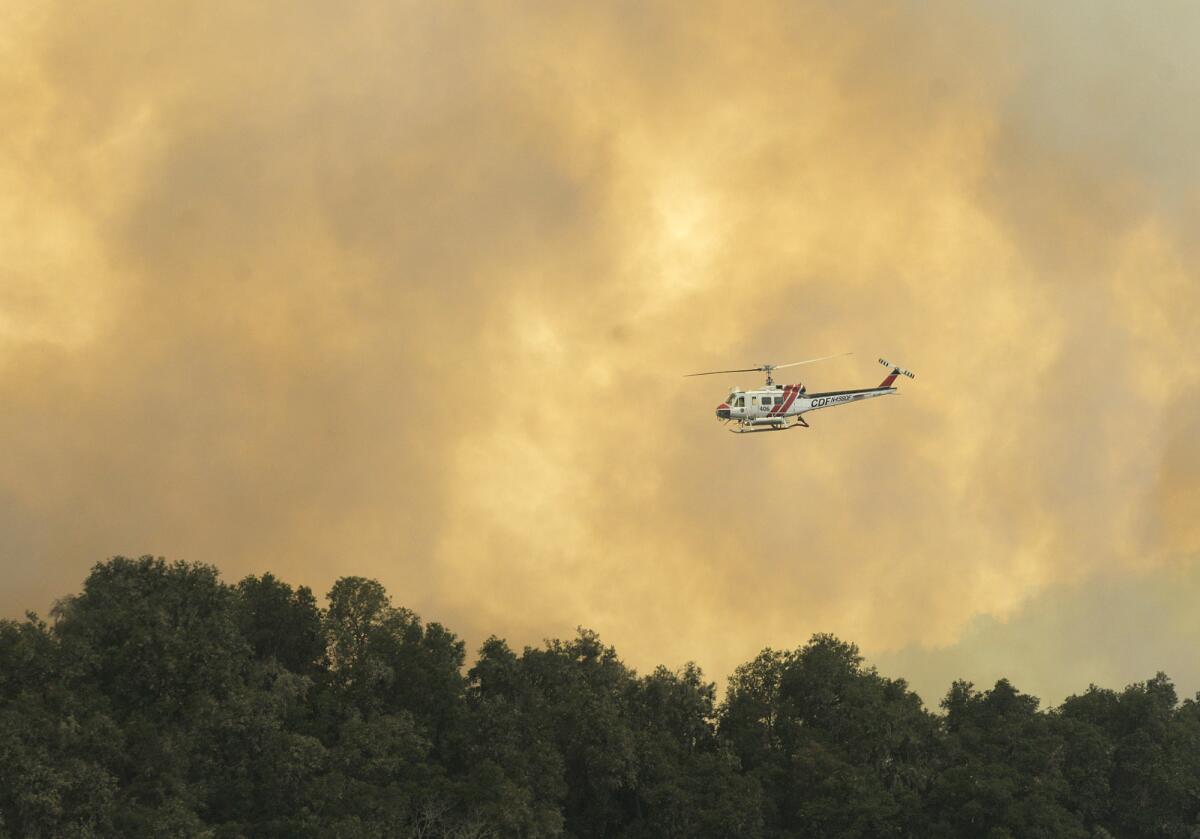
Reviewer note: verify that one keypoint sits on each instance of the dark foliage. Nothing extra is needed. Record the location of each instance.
(162, 702)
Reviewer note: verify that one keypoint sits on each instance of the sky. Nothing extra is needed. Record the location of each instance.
(408, 290)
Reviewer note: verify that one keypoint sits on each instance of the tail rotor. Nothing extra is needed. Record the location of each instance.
(896, 371)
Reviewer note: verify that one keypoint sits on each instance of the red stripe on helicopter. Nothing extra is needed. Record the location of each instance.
(789, 397)
(780, 408)
(775, 408)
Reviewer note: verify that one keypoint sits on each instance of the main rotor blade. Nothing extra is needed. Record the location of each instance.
(718, 372)
(811, 360)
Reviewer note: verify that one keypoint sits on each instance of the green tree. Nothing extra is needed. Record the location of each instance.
(393, 717)
(1002, 771)
(515, 772)
(155, 647)
(383, 660)
(586, 692)
(839, 749)
(51, 784)
(281, 623)
(688, 783)
(1152, 747)
(153, 637)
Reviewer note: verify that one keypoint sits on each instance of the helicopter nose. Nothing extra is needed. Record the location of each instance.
(723, 411)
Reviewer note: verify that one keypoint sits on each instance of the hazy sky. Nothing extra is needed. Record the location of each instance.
(407, 290)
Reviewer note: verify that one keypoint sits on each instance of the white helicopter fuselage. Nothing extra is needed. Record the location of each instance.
(777, 404)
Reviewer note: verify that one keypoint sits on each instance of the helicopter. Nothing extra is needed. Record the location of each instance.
(776, 407)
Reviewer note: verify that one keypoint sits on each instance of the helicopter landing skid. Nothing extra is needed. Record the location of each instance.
(756, 429)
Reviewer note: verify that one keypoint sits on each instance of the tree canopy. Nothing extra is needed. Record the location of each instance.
(161, 701)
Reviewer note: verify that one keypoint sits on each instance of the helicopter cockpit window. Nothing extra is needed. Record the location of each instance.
(740, 402)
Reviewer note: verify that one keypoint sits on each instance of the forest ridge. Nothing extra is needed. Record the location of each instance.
(160, 701)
